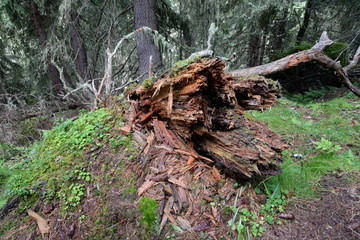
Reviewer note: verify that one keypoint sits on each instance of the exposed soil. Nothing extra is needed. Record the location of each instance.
(333, 215)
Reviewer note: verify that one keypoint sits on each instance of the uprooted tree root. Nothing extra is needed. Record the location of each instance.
(195, 141)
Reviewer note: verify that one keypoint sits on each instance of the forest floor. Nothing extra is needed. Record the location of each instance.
(333, 215)
(91, 192)
(333, 211)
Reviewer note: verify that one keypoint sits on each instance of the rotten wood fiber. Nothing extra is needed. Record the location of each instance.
(200, 110)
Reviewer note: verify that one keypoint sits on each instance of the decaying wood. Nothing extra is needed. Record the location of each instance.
(198, 111)
(313, 55)
(193, 135)
(9, 205)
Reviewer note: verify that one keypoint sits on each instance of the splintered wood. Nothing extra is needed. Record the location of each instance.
(196, 141)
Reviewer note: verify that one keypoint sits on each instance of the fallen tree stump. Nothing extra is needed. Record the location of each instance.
(199, 111)
(193, 133)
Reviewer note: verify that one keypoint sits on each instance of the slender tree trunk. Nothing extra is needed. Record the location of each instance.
(78, 48)
(254, 50)
(144, 14)
(279, 34)
(305, 24)
(57, 85)
(263, 45)
(257, 42)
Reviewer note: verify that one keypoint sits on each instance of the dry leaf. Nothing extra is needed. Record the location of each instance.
(213, 220)
(287, 216)
(170, 217)
(214, 211)
(182, 195)
(207, 198)
(125, 129)
(163, 222)
(42, 222)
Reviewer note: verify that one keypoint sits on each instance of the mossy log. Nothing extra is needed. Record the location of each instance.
(315, 55)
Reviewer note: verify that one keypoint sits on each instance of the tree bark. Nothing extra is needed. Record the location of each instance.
(305, 23)
(53, 73)
(78, 48)
(144, 15)
(254, 49)
(257, 42)
(279, 34)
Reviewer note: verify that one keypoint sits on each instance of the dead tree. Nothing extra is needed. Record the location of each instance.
(315, 55)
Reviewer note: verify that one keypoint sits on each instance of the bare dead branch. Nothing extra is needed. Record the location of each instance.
(323, 42)
(353, 63)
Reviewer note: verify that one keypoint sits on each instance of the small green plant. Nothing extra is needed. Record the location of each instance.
(248, 223)
(179, 65)
(129, 190)
(55, 163)
(81, 218)
(72, 190)
(123, 141)
(327, 146)
(333, 124)
(149, 207)
(148, 82)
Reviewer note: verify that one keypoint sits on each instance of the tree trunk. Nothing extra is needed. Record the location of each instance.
(53, 73)
(254, 50)
(78, 48)
(305, 24)
(280, 34)
(144, 14)
(257, 43)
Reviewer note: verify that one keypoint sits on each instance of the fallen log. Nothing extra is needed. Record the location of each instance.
(315, 55)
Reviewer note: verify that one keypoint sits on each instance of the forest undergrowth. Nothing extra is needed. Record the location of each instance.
(80, 168)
